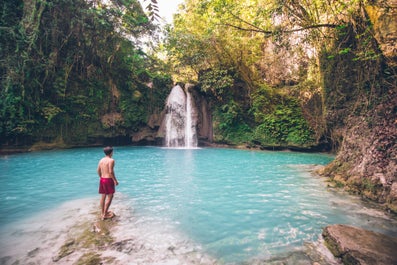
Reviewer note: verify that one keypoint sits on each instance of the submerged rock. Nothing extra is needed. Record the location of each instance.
(67, 249)
(360, 247)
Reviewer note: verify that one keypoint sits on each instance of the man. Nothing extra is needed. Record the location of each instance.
(107, 182)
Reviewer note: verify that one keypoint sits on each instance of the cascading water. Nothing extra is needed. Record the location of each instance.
(190, 130)
(180, 124)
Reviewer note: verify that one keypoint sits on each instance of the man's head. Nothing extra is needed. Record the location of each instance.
(108, 150)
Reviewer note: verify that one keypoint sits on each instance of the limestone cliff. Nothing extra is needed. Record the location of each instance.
(361, 102)
(384, 22)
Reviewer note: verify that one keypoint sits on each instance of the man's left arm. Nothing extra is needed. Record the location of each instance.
(112, 163)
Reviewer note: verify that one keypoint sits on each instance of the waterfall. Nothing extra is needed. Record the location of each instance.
(190, 137)
(180, 119)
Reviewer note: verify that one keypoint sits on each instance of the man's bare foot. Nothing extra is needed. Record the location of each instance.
(108, 215)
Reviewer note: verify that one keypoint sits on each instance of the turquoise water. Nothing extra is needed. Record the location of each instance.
(237, 205)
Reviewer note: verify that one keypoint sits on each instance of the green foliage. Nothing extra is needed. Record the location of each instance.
(263, 103)
(284, 127)
(50, 111)
(230, 125)
(153, 9)
(352, 68)
(253, 38)
(217, 83)
(66, 63)
(279, 120)
(230, 114)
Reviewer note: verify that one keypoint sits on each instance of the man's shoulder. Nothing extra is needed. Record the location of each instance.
(108, 159)
(104, 160)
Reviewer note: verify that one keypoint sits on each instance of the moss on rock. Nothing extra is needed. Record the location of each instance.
(87, 238)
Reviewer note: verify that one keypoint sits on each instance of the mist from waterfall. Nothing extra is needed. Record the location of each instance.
(180, 124)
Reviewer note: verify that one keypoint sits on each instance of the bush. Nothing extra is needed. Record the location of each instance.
(284, 126)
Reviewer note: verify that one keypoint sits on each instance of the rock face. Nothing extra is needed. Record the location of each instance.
(383, 18)
(362, 114)
(370, 149)
(360, 247)
(204, 117)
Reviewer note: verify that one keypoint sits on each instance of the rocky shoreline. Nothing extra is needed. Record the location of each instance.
(349, 245)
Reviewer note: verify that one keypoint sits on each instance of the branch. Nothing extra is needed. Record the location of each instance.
(248, 29)
(246, 22)
(269, 33)
(313, 27)
(274, 32)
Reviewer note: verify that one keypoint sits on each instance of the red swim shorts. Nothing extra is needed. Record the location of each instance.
(106, 186)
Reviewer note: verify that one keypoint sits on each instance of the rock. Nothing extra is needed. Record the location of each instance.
(392, 204)
(366, 159)
(145, 134)
(127, 246)
(32, 253)
(360, 247)
(111, 119)
(154, 120)
(393, 190)
(67, 249)
(384, 22)
(340, 179)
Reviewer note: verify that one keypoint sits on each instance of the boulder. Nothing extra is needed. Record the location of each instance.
(360, 247)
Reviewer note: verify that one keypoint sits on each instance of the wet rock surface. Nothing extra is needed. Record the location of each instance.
(358, 246)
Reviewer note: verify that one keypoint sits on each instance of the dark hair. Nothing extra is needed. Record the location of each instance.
(108, 150)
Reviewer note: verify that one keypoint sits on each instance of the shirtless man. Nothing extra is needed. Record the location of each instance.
(107, 182)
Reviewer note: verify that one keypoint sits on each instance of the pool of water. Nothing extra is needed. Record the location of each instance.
(233, 205)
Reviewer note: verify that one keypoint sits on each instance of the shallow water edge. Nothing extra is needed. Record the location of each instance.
(74, 234)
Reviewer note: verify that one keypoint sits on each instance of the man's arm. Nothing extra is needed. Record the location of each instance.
(99, 170)
(111, 172)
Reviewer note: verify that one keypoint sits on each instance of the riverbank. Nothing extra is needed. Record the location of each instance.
(60, 144)
(41, 146)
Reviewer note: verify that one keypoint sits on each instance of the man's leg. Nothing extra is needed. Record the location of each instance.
(103, 199)
(108, 203)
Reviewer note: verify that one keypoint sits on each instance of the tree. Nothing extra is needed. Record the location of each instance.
(266, 43)
(66, 63)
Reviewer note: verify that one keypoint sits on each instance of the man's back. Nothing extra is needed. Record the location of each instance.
(105, 167)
